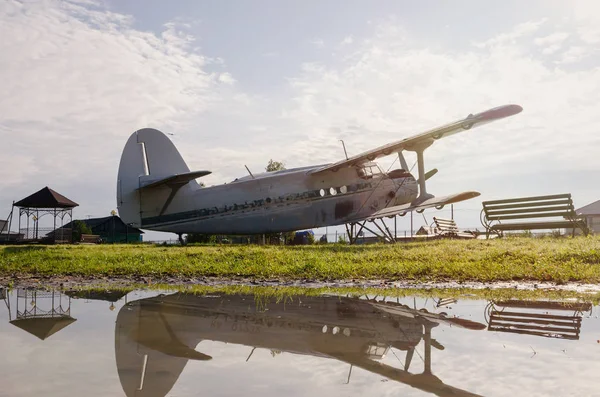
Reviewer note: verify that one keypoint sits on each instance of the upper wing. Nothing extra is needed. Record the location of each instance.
(437, 133)
(429, 203)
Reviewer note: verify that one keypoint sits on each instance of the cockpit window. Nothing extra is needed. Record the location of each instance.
(369, 171)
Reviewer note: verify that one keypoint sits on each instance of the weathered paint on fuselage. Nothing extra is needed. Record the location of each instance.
(277, 201)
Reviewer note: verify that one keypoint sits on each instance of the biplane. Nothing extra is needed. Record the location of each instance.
(156, 337)
(157, 191)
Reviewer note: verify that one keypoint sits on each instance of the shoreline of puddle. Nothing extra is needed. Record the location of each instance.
(148, 282)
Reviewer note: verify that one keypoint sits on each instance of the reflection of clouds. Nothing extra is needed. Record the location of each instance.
(79, 360)
(286, 374)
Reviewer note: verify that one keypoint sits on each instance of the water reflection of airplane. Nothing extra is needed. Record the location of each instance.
(155, 337)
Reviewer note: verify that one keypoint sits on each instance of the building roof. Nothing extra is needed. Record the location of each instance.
(95, 222)
(43, 327)
(590, 209)
(46, 198)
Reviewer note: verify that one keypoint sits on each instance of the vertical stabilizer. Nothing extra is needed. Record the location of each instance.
(148, 156)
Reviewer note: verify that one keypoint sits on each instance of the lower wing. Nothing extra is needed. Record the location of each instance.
(429, 203)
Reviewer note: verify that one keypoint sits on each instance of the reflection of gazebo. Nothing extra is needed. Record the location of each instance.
(45, 202)
(41, 313)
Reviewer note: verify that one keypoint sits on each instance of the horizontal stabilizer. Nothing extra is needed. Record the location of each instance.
(176, 180)
(429, 203)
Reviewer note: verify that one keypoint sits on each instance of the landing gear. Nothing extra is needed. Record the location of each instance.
(181, 241)
(355, 229)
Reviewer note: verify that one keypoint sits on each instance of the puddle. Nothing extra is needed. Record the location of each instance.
(159, 343)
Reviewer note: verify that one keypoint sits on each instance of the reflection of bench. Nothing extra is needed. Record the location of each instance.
(558, 206)
(448, 228)
(90, 238)
(538, 319)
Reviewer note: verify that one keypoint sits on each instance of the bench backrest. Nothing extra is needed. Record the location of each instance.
(558, 205)
(530, 322)
(90, 237)
(445, 225)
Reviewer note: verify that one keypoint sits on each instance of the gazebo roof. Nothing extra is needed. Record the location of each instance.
(46, 198)
(43, 327)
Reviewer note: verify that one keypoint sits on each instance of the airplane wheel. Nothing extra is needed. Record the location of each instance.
(439, 207)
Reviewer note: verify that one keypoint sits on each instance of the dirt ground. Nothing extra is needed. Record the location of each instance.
(109, 282)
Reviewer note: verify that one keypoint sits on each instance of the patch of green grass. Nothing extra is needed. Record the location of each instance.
(279, 293)
(534, 259)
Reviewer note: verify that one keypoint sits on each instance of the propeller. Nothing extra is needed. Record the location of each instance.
(430, 173)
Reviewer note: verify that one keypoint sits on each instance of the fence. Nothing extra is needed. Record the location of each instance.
(61, 235)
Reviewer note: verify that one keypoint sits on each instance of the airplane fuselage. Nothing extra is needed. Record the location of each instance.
(278, 201)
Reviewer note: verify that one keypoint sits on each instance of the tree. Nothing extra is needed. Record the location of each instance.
(275, 166)
(200, 238)
(79, 228)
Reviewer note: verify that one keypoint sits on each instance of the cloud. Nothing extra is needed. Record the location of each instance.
(318, 43)
(551, 49)
(574, 54)
(519, 31)
(590, 34)
(554, 38)
(347, 40)
(77, 80)
(226, 78)
(393, 87)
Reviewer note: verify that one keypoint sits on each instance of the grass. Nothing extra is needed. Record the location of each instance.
(263, 293)
(533, 259)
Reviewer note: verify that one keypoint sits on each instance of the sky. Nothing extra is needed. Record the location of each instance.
(238, 83)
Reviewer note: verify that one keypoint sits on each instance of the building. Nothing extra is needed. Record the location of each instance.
(591, 214)
(112, 229)
(6, 235)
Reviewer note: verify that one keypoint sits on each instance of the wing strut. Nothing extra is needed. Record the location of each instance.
(419, 148)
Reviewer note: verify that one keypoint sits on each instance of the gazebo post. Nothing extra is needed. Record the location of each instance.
(12, 209)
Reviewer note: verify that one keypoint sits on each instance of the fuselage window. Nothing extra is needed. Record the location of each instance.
(322, 192)
(333, 191)
(343, 190)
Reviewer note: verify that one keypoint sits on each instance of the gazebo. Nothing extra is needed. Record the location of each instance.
(41, 313)
(45, 202)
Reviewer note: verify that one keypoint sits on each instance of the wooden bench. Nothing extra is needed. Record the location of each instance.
(90, 239)
(448, 228)
(496, 212)
(538, 319)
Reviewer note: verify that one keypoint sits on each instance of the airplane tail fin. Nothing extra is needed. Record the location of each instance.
(148, 156)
